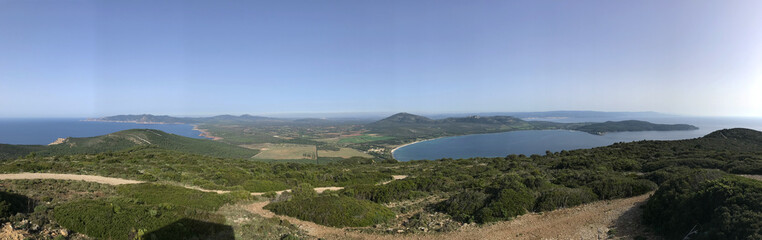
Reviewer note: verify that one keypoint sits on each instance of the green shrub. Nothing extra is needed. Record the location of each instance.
(726, 208)
(264, 186)
(335, 211)
(464, 206)
(179, 196)
(303, 190)
(507, 204)
(562, 197)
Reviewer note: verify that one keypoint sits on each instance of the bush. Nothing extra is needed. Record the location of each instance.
(463, 206)
(264, 186)
(335, 211)
(179, 196)
(111, 220)
(507, 204)
(562, 197)
(726, 208)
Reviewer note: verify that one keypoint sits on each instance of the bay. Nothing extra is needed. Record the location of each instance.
(45, 131)
(539, 141)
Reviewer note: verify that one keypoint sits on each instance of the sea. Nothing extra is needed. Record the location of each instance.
(540, 141)
(45, 131)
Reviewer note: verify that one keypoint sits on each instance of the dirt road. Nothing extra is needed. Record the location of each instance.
(75, 177)
(589, 221)
(119, 181)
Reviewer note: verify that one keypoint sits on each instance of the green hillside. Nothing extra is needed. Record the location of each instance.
(127, 139)
(10, 151)
(630, 126)
(405, 125)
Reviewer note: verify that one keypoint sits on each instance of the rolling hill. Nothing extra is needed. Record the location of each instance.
(127, 139)
(405, 125)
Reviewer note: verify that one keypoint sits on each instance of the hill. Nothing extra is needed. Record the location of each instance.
(631, 126)
(144, 118)
(163, 119)
(127, 139)
(10, 151)
(405, 125)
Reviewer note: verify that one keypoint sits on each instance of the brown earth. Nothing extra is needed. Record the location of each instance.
(75, 177)
(589, 221)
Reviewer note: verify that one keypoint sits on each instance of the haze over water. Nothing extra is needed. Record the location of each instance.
(45, 131)
(539, 141)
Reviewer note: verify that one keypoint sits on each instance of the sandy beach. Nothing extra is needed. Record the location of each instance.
(205, 133)
(400, 146)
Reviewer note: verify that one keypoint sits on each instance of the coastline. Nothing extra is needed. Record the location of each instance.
(404, 145)
(205, 133)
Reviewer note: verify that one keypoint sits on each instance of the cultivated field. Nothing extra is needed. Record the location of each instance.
(283, 151)
(343, 153)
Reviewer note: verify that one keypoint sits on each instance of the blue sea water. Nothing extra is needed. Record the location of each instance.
(539, 141)
(45, 131)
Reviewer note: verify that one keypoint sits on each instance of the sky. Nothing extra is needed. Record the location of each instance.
(193, 58)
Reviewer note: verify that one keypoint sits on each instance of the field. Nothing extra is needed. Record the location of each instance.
(283, 151)
(362, 139)
(343, 153)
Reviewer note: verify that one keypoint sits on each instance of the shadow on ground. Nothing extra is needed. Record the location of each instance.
(12, 203)
(187, 228)
(630, 225)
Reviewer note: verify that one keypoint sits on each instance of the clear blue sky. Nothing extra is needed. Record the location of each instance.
(96, 58)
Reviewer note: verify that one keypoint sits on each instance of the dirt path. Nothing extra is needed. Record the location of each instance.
(755, 177)
(589, 221)
(75, 177)
(119, 181)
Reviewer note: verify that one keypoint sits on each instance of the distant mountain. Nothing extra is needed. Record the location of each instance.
(404, 118)
(406, 125)
(124, 140)
(631, 126)
(163, 119)
(143, 118)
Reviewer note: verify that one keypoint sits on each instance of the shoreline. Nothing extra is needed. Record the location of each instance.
(405, 145)
(205, 133)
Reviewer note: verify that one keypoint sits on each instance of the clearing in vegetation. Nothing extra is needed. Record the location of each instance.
(343, 153)
(284, 151)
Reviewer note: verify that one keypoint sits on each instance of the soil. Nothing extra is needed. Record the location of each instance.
(588, 221)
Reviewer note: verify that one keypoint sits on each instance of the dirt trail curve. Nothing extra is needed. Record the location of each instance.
(119, 181)
(588, 221)
(75, 177)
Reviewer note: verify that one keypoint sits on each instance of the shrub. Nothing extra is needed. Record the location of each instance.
(264, 186)
(335, 211)
(507, 204)
(726, 208)
(562, 197)
(178, 196)
(463, 206)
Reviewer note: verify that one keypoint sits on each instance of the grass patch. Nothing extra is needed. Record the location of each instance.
(335, 211)
(285, 151)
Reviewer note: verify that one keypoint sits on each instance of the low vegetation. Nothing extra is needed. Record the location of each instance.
(696, 191)
(335, 211)
(707, 205)
(126, 219)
